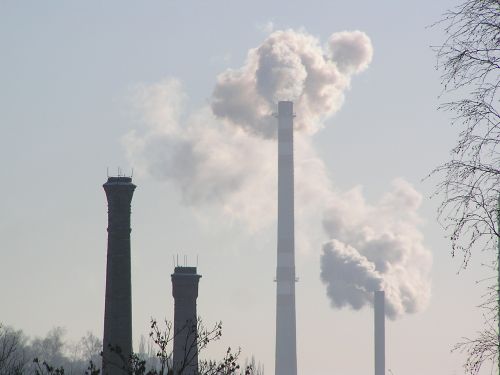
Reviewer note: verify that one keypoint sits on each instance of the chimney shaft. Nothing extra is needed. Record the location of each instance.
(185, 292)
(118, 300)
(286, 347)
(379, 312)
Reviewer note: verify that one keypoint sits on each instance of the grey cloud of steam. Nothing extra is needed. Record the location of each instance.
(223, 159)
(291, 65)
(376, 247)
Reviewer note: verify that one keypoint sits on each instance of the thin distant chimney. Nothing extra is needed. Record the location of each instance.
(286, 345)
(379, 312)
(185, 292)
(117, 340)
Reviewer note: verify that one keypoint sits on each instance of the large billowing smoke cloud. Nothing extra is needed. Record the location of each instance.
(223, 158)
(376, 247)
(225, 155)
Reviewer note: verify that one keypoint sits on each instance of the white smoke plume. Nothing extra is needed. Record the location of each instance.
(376, 247)
(291, 65)
(224, 157)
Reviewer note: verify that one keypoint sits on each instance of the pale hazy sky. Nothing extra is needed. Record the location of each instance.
(69, 76)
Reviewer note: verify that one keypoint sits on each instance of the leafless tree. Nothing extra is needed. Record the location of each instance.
(90, 348)
(469, 60)
(13, 358)
(196, 338)
(51, 347)
(483, 347)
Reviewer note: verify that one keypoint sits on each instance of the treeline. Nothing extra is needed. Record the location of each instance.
(53, 355)
(18, 351)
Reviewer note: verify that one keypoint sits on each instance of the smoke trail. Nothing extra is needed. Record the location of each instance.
(223, 157)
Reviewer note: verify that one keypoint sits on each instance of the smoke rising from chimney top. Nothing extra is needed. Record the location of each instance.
(376, 247)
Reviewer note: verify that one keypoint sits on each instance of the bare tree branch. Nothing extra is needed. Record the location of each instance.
(469, 61)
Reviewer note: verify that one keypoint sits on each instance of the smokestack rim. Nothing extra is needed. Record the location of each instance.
(119, 180)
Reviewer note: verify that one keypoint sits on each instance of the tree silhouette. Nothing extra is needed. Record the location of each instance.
(469, 60)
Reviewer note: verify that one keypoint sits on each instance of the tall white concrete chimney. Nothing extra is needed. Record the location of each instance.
(286, 346)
